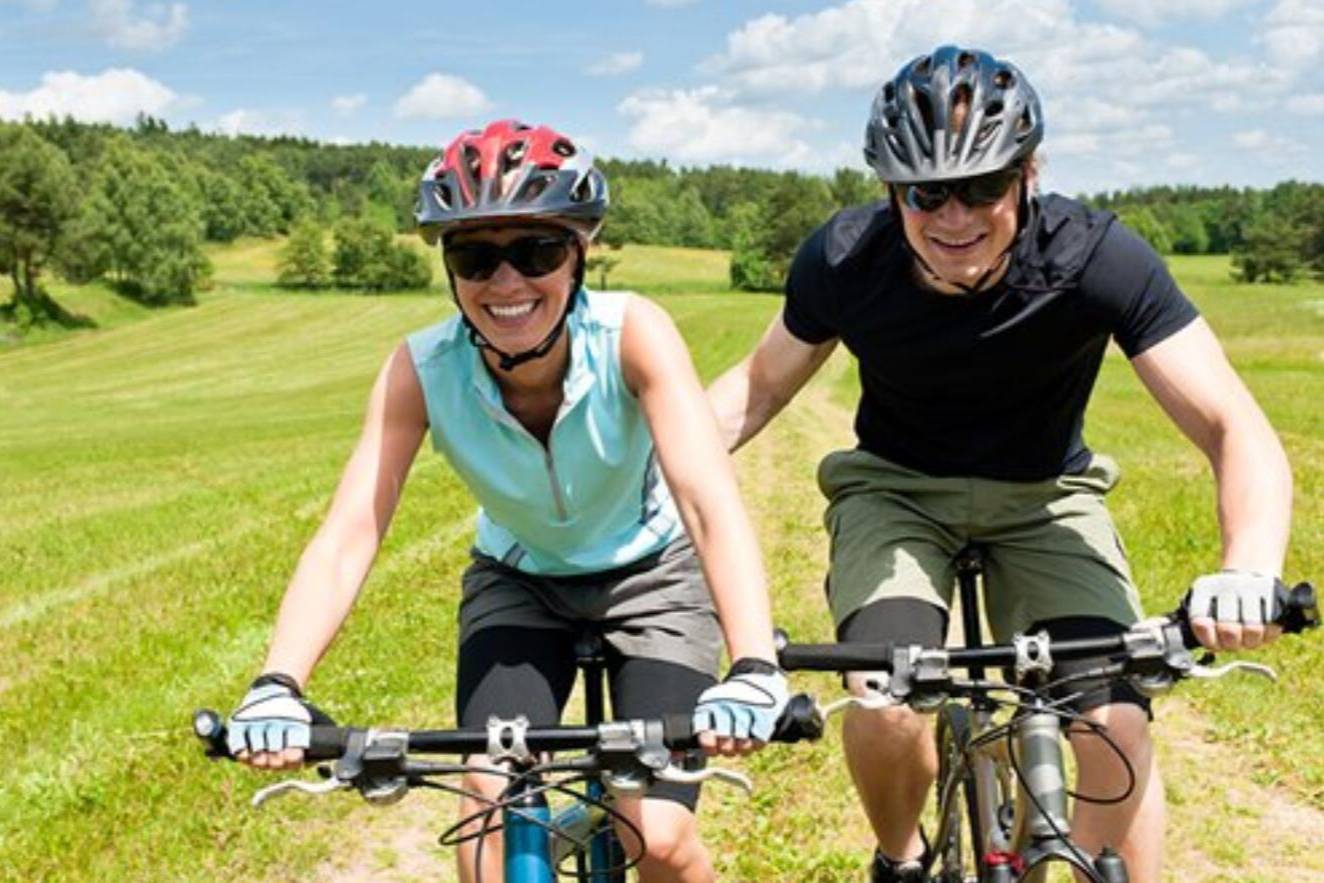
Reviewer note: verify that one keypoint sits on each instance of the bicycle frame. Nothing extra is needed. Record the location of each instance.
(532, 854)
(1038, 833)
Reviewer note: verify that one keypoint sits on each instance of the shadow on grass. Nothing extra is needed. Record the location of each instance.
(17, 316)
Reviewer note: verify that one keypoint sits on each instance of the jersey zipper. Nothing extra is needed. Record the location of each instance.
(558, 497)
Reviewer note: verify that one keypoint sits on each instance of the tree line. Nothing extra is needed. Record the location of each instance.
(134, 206)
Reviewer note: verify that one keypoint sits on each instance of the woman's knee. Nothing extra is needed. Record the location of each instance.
(670, 832)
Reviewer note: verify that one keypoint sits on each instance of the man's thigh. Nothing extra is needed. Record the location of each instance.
(1052, 552)
(894, 533)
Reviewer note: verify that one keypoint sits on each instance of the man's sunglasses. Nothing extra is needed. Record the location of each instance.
(975, 192)
(531, 256)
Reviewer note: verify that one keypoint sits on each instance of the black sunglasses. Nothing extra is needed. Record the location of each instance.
(531, 256)
(975, 192)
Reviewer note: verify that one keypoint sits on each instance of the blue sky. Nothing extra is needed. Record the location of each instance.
(1135, 91)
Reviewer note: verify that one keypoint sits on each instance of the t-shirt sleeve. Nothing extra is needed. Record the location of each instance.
(809, 309)
(1131, 283)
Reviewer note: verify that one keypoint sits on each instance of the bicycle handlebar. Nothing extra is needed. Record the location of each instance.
(676, 732)
(1299, 610)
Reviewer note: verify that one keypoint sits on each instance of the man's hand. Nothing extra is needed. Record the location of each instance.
(1234, 609)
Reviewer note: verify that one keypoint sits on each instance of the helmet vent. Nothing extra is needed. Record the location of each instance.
(1024, 123)
(583, 191)
(923, 66)
(889, 92)
(535, 187)
(512, 155)
(473, 160)
(993, 108)
(563, 148)
(965, 59)
(443, 194)
(925, 109)
(1004, 79)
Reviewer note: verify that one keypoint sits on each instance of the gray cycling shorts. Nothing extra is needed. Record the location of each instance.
(656, 608)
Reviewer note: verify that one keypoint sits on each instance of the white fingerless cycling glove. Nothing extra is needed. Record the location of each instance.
(1239, 596)
(747, 705)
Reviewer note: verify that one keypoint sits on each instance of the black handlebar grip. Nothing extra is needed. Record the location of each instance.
(678, 731)
(1300, 608)
(210, 728)
(800, 721)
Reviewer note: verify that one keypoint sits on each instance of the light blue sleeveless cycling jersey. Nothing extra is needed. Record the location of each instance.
(590, 500)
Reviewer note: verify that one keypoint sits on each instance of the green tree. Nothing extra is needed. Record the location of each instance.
(271, 198)
(602, 263)
(304, 262)
(366, 256)
(1189, 235)
(852, 187)
(37, 205)
(751, 266)
(222, 202)
(1142, 222)
(1272, 251)
(144, 226)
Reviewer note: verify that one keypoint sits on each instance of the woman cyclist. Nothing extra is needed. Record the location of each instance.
(980, 313)
(577, 421)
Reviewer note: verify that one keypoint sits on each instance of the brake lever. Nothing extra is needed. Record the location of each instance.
(301, 785)
(1213, 672)
(679, 776)
(874, 700)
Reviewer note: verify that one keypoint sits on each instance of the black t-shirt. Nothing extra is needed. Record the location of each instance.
(992, 385)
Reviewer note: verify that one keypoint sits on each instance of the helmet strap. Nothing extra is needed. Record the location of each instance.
(509, 361)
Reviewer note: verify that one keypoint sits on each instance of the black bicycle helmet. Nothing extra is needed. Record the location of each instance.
(910, 138)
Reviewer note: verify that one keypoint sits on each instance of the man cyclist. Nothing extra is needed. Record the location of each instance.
(980, 312)
(577, 421)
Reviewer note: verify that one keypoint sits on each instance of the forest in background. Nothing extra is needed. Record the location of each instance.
(134, 206)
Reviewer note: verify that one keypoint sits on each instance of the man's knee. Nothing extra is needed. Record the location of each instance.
(1125, 729)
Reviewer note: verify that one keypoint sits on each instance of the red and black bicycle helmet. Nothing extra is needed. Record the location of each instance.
(511, 171)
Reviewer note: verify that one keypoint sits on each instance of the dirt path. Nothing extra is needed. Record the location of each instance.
(1221, 825)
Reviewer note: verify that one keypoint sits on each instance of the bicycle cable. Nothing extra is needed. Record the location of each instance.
(492, 808)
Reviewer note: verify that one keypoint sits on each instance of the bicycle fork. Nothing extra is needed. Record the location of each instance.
(1038, 833)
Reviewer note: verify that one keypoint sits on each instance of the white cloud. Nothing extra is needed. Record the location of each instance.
(859, 43)
(158, 27)
(257, 122)
(1293, 33)
(115, 95)
(703, 125)
(616, 63)
(1271, 146)
(1312, 103)
(347, 104)
(438, 96)
(1150, 14)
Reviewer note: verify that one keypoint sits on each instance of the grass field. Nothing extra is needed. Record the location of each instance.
(159, 476)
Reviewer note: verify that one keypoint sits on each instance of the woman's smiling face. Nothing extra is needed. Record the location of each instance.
(514, 311)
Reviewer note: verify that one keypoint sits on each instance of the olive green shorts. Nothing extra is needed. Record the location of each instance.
(1052, 549)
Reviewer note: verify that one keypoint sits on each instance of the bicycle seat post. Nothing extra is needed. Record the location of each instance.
(969, 569)
(592, 663)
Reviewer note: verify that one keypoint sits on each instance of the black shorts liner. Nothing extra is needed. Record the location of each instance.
(509, 671)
